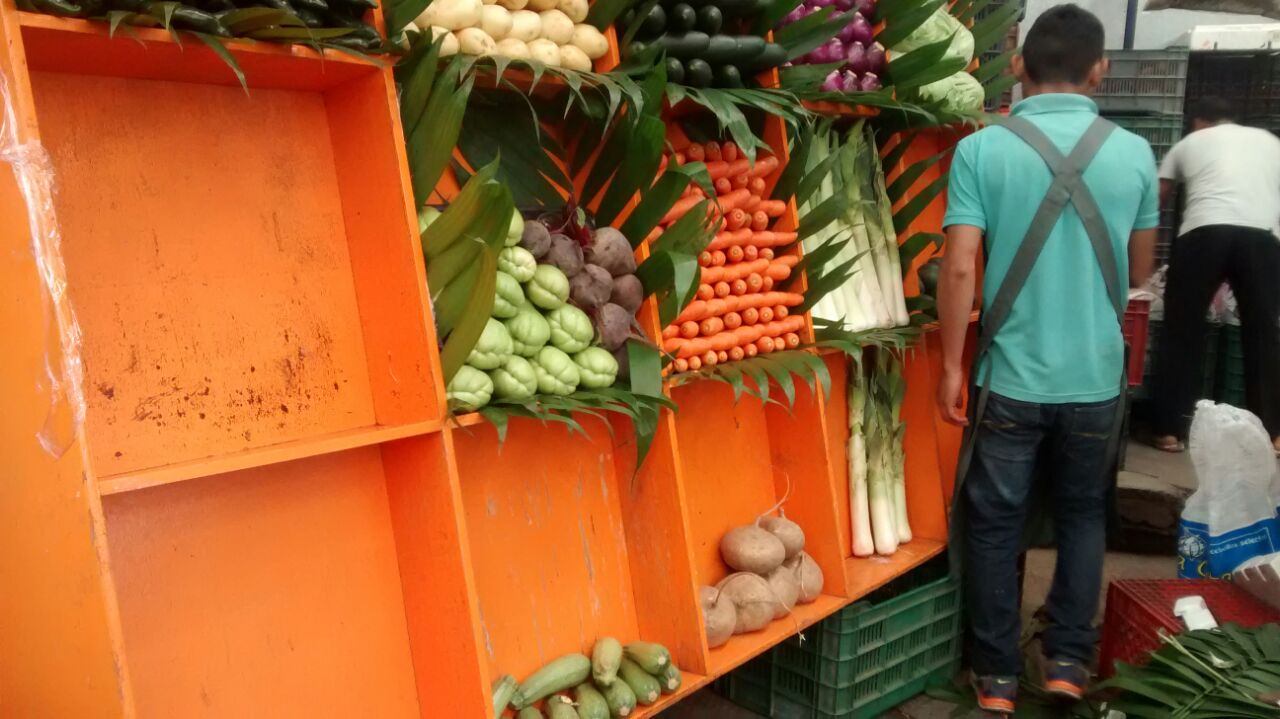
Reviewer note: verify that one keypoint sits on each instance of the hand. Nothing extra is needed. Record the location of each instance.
(951, 398)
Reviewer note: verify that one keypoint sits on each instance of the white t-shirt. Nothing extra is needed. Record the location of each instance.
(1232, 177)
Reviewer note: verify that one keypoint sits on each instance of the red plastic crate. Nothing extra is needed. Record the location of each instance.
(1137, 321)
(1137, 609)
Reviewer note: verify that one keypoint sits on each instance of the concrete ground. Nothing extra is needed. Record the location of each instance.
(1151, 488)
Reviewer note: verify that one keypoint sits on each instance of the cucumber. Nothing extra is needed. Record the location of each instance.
(605, 658)
(772, 56)
(675, 70)
(697, 73)
(728, 76)
(591, 703)
(710, 19)
(560, 707)
(684, 45)
(655, 23)
(670, 679)
(651, 657)
(620, 698)
(529, 713)
(646, 688)
(564, 673)
(503, 689)
(682, 18)
(733, 50)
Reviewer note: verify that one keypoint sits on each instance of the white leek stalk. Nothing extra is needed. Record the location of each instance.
(892, 285)
(880, 491)
(859, 509)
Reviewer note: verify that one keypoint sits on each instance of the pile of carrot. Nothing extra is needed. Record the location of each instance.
(737, 313)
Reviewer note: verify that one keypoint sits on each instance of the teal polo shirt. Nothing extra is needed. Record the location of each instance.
(1061, 343)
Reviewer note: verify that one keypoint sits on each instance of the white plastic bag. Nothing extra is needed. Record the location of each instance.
(1232, 517)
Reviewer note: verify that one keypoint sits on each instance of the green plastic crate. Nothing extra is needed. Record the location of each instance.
(870, 657)
(1231, 388)
(1162, 131)
(1155, 333)
(750, 686)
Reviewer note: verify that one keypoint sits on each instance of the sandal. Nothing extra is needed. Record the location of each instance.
(1171, 445)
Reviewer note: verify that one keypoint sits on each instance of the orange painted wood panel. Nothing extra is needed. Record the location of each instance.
(925, 507)
(272, 591)
(435, 574)
(837, 428)
(547, 540)
(744, 647)
(217, 304)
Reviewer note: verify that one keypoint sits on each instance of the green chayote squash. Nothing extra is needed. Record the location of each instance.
(507, 297)
(470, 389)
(529, 331)
(557, 373)
(516, 230)
(548, 288)
(571, 329)
(596, 367)
(515, 379)
(517, 262)
(493, 348)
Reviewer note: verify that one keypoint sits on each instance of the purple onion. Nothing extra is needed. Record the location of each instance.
(830, 51)
(849, 82)
(820, 4)
(855, 57)
(845, 5)
(875, 58)
(870, 82)
(832, 83)
(794, 15)
(861, 31)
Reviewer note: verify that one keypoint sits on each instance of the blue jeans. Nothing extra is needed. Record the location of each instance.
(1072, 440)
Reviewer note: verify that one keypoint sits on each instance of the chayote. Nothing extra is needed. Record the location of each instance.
(529, 331)
(516, 230)
(571, 329)
(515, 379)
(596, 367)
(548, 288)
(470, 389)
(557, 373)
(507, 297)
(493, 348)
(517, 262)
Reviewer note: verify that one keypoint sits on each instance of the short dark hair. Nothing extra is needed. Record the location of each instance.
(1063, 45)
(1213, 109)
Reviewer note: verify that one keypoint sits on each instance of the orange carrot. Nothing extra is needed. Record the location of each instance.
(695, 364)
(705, 292)
(695, 153)
(734, 254)
(722, 289)
(670, 332)
(717, 307)
(730, 273)
(736, 218)
(759, 221)
(694, 312)
(736, 354)
(730, 202)
(689, 330)
(713, 150)
(711, 326)
(729, 151)
(764, 166)
(679, 158)
(673, 345)
(740, 181)
(694, 348)
(756, 186)
(722, 356)
(724, 186)
(730, 239)
(681, 365)
(721, 343)
(718, 170)
(678, 210)
(781, 311)
(739, 287)
(709, 359)
(750, 350)
(793, 340)
(766, 314)
(766, 253)
(752, 204)
(773, 208)
(732, 320)
(750, 253)
(704, 259)
(788, 260)
(768, 284)
(717, 258)
(755, 283)
(778, 271)
(751, 315)
(765, 344)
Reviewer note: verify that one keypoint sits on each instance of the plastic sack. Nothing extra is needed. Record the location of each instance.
(1232, 517)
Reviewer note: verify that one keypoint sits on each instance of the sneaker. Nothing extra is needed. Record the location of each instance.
(1066, 679)
(996, 694)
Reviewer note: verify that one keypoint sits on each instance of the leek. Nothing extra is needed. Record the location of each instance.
(859, 509)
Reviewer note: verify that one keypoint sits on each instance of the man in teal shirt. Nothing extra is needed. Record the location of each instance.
(1063, 207)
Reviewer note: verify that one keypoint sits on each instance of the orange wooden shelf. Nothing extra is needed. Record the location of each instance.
(743, 647)
(840, 109)
(867, 574)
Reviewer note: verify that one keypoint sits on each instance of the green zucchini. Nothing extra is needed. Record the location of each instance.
(655, 23)
(675, 70)
(529, 713)
(591, 703)
(710, 19)
(559, 706)
(684, 45)
(564, 673)
(621, 700)
(503, 689)
(670, 679)
(651, 657)
(637, 48)
(733, 50)
(605, 658)
(646, 688)
(772, 56)
(697, 73)
(682, 18)
(728, 76)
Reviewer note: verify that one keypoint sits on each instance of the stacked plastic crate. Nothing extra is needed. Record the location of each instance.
(1010, 42)
(1249, 79)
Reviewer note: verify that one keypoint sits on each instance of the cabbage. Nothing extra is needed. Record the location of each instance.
(940, 26)
(470, 388)
(961, 93)
(571, 329)
(493, 348)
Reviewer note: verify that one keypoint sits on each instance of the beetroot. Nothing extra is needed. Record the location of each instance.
(613, 326)
(610, 249)
(591, 287)
(627, 292)
(535, 239)
(565, 254)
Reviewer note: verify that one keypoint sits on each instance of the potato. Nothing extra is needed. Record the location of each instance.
(628, 293)
(516, 50)
(545, 52)
(719, 614)
(536, 239)
(526, 26)
(571, 58)
(790, 533)
(591, 287)
(786, 589)
(540, 5)
(809, 575)
(613, 326)
(752, 598)
(496, 21)
(752, 549)
(474, 41)
(576, 9)
(589, 40)
(609, 248)
(449, 46)
(513, 5)
(565, 252)
(556, 26)
(450, 14)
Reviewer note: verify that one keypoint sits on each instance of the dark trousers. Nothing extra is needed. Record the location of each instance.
(1249, 260)
(1073, 439)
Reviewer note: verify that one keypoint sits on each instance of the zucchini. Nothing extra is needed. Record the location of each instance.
(675, 70)
(728, 76)
(772, 56)
(560, 707)
(684, 45)
(529, 713)
(710, 19)
(605, 658)
(670, 679)
(620, 698)
(503, 689)
(564, 673)
(682, 18)
(733, 50)
(591, 703)
(646, 688)
(697, 72)
(651, 657)
(637, 48)
(655, 23)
